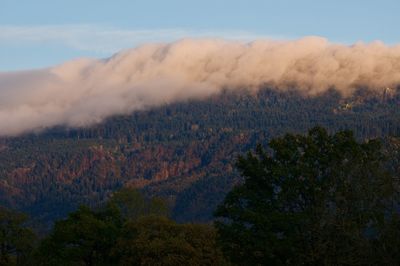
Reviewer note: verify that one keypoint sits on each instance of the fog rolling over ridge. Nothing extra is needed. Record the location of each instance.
(85, 91)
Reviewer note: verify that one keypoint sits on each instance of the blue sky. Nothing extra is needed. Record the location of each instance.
(42, 32)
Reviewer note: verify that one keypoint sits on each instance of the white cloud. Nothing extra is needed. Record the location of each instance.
(86, 91)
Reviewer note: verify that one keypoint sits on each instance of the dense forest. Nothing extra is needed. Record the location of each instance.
(183, 152)
(305, 199)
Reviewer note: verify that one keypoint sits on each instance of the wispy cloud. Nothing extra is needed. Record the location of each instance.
(106, 39)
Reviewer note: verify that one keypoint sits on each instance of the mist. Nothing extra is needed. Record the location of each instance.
(86, 91)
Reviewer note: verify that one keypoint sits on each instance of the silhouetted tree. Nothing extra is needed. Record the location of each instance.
(86, 237)
(129, 230)
(317, 199)
(16, 240)
(155, 240)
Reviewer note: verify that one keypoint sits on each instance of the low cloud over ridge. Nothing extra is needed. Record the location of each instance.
(85, 91)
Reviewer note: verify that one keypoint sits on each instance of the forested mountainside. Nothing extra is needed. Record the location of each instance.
(184, 152)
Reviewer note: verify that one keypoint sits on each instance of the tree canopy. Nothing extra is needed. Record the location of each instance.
(314, 199)
(153, 240)
(129, 230)
(16, 240)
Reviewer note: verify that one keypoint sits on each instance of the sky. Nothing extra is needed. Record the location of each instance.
(42, 33)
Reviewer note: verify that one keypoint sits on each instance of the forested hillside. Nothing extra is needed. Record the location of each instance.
(182, 152)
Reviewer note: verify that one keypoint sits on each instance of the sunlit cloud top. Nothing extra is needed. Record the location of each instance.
(86, 91)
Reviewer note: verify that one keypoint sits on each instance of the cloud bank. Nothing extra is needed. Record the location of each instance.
(85, 91)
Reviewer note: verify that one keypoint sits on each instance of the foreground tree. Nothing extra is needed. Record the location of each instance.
(86, 237)
(16, 240)
(155, 240)
(129, 230)
(317, 199)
